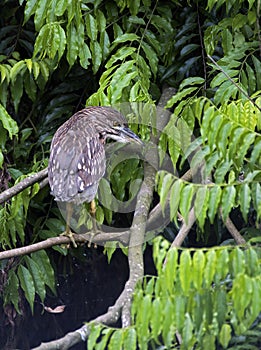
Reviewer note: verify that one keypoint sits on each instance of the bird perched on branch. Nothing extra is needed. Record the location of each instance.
(77, 156)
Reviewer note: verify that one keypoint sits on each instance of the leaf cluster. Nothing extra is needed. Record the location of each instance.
(33, 275)
(193, 302)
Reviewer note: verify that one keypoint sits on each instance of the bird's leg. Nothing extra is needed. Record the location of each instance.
(68, 232)
(94, 225)
(93, 212)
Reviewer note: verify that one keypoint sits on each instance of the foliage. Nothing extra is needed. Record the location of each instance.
(227, 134)
(194, 302)
(33, 275)
(58, 56)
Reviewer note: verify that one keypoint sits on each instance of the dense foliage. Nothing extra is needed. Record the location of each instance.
(58, 56)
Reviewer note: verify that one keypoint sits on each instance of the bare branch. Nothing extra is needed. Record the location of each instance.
(239, 239)
(29, 181)
(184, 230)
(101, 238)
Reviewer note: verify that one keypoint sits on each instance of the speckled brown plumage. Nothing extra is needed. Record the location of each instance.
(77, 158)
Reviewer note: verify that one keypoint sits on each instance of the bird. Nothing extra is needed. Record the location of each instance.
(77, 155)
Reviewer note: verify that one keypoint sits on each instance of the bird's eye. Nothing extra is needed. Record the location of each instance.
(115, 123)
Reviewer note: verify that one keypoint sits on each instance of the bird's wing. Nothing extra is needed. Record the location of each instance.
(91, 163)
(77, 161)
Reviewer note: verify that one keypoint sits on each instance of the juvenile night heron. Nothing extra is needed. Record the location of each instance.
(77, 157)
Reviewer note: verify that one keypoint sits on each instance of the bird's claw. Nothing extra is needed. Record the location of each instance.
(70, 234)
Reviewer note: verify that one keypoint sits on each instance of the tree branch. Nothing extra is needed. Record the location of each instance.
(239, 239)
(184, 230)
(27, 182)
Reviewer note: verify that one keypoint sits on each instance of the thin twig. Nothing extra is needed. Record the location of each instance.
(202, 49)
(233, 82)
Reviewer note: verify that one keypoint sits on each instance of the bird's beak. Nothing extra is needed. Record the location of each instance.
(129, 135)
(126, 135)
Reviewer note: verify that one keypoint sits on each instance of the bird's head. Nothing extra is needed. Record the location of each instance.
(112, 124)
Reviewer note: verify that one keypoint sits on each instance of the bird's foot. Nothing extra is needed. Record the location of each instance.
(70, 234)
(93, 234)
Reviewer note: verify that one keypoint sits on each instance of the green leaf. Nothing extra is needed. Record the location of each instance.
(116, 340)
(187, 333)
(222, 266)
(242, 150)
(50, 41)
(95, 331)
(8, 123)
(179, 311)
(185, 271)
(244, 200)
(187, 49)
(170, 269)
(120, 55)
(242, 300)
(60, 7)
(17, 91)
(17, 70)
(228, 200)
(96, 54)
(27, 284)
(30, 86)
(198, 266)
(40, 12)
(144, 316)
(11, 294)
(227, 41)
(186, 200)
(84, 55)
(125, 37)
(256, 193)
(91, 27)
(201, 205)
(58, 42)
(130, 339)
(151, 56)
(210, 268)
(191, 81)
(105, 44)
(45, 70)
(105, 336)
(237, 261)
(45, 267)
(223, 135)
(29, 9)
(156, 318)
(72, 44)
(167, 324)
(116, 90)
(180, 96)
(37, 277)
(222, 170)
(164, 190)
(36, 69)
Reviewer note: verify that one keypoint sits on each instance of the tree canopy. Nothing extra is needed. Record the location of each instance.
(187, 76)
